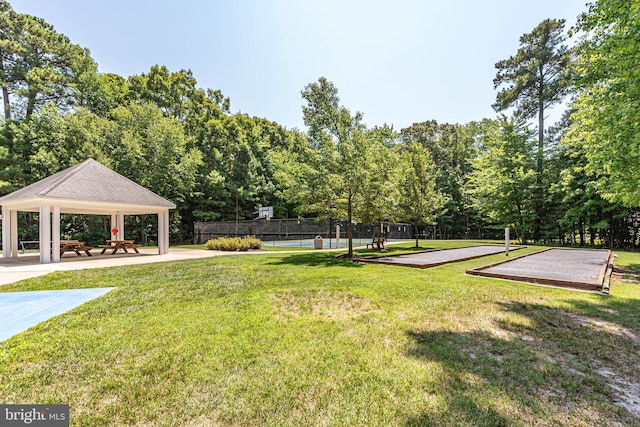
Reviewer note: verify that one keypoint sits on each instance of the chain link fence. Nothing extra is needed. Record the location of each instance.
(295, 229)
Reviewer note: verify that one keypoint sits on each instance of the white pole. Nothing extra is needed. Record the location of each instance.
(338, 236)
(506, 241)
(45, 234)
(120, 226)
(6, 233)
(14, 234)
(165, 233)
(55, 231)
(161, 233)
(113, 224)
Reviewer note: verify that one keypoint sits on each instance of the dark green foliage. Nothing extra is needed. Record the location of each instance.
(37, 64)
(451, 146)
(606, 116)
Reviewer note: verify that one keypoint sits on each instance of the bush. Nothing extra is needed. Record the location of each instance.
(234, 243)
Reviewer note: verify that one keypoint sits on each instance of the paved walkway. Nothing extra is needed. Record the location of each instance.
(28, 265)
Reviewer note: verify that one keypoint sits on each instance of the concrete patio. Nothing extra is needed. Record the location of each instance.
(28, 265)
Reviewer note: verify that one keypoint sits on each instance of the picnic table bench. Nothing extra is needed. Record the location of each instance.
(75, 246)
(115, 245)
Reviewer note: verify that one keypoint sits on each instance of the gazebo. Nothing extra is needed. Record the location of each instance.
(86, 188)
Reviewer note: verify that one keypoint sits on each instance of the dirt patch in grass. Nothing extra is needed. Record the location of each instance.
(321, 303)
(627, 390)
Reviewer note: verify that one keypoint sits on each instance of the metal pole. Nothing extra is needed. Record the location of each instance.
(506, 241)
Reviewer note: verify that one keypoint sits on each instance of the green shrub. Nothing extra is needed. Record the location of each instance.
(234, 243)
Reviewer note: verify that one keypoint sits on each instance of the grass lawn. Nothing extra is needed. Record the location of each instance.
(308, 339)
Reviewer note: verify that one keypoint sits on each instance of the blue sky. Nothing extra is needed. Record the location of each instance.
(398, 62)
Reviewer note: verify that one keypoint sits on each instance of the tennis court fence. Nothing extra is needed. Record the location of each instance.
(294, 229)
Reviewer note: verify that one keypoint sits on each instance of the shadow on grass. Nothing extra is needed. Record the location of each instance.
(537, 363)
(630, 273)
(316, 259)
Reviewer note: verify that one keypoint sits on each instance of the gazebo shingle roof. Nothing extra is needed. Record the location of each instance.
(90, 180)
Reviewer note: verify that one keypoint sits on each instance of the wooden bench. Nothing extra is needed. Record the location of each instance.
(376, 241)
(114, 245)
(133, 246)
(105, 247)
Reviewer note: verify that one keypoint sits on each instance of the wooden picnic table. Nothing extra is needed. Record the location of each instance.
(75, 246)
(115, 245)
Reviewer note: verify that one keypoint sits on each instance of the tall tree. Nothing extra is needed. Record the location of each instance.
(536, 78)
(606, 115)
(175, 93)
(38, 64)
(420, 201)
(338, 138)
(451, 146)
(504, 175)
(378, 199)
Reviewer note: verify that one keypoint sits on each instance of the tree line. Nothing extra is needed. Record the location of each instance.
(573, 183)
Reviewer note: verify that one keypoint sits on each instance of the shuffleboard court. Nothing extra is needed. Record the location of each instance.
(579, 268)
(438, 257)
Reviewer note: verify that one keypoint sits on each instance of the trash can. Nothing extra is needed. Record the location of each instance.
(317, 242)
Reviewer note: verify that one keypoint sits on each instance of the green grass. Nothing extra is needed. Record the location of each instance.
(309, 339)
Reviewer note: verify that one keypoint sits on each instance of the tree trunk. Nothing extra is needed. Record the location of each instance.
(539, 166)
(415, 231)
(5, 93)
(349, 225)
(32, 96)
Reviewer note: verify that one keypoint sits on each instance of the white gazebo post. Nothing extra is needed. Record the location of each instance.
(14, 234)
(45, 233)
(55, 234)
(6, 233)
(163, 232)
(113, 224)
(120, 226)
